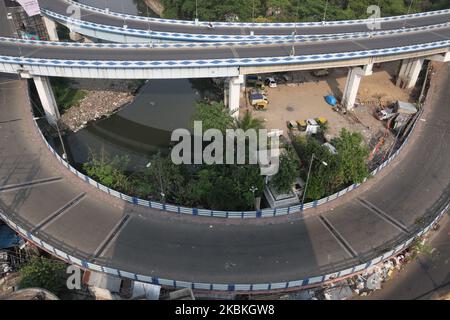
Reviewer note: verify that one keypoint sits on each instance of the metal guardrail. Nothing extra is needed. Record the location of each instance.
(76, 258)
(257, 25)
(296, 284)
(268, 41)
(174, 36)
(231, 62)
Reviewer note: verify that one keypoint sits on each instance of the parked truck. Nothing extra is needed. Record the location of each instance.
(258, 100)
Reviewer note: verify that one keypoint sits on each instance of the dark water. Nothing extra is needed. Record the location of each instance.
(134, 7)
(144, 127)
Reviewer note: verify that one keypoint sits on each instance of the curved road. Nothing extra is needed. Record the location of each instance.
(59, 208)
(61, 7)
(183, 53)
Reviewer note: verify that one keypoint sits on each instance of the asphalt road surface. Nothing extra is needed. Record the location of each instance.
(222, 52)
(61, 6)
(428, 277)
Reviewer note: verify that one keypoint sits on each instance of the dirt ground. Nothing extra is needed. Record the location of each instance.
(304, 98)
(103, 97)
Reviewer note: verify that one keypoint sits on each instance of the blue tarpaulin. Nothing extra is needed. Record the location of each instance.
(331, 100)
(8, 237)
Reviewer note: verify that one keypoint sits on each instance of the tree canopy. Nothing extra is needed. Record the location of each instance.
(44, 273)
(291, 10)
(332, 172)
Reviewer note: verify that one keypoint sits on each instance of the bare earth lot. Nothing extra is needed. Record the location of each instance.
(303, 98)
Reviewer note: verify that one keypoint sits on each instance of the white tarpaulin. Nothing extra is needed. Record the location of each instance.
(31, 7)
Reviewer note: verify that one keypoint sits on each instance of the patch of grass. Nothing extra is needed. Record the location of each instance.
(66, 96)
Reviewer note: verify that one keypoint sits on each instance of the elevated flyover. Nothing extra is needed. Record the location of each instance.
(116, 27)
(48, 205)
(77, 223)
(39, 59)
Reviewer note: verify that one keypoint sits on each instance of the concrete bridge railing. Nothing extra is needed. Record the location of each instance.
(82, 260)
(252, 24)
(129, 35)
(73, 257)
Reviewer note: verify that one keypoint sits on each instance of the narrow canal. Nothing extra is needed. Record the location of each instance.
(143, 127)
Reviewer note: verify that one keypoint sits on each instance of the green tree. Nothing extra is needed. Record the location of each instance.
(65, 95)
(288, 172)
(323, 178)
(352, 154)
(229, 187)
(109, 171)
(213, 116)
(160, 177)
(248, 122)
(44, 273)
(332, 172)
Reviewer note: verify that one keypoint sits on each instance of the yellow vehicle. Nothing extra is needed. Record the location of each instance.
(301, 124)
(321, 121)
(261, 105)
(258, 100)
(309, 125)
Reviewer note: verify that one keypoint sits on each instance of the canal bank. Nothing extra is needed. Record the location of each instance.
(142, 126)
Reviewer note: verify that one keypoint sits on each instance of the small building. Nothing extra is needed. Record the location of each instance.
(26, 27)
(282, 200)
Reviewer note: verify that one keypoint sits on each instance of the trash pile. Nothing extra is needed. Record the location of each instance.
(365, 283)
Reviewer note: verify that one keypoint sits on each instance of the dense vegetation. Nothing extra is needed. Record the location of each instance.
(333, 172)
(234, 187)
(44, 273)
(220, 187)
(66, 96)
(292, 10)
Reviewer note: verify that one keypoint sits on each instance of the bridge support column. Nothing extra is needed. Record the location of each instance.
(47, 98)
(354, 78)
(234, 95)
(445, 57)
(409, 73)
(75, 36)
(51, 29)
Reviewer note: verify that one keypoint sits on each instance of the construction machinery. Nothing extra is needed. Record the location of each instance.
(258, 100)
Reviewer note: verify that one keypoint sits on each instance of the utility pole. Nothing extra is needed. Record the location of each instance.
(163, 195)
(124, 19)
(307, 180)
(196, 11)
(293, 44)
(253, 189)
(325, 13)
(294, 34)
(149, 26)
(309, 175)
(14, 32)
(409, 10)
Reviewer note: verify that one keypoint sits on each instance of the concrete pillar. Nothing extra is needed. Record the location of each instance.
(352, 86)
(51, 29)
(445, 57)
(409, 73)
(75, 36)
(234, 95)
(47, 98)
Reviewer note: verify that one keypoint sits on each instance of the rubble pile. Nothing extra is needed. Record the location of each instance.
(99, 102)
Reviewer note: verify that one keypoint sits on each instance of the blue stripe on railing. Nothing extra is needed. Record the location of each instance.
(315, 280)
(232, 62)
(212, 213)
(171, 36)
(257, 25)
